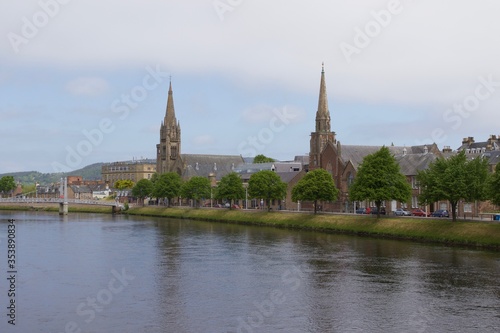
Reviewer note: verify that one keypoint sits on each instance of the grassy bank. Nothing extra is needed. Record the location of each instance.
(479, 234)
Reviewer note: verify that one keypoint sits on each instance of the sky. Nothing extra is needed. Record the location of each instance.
(86, 81)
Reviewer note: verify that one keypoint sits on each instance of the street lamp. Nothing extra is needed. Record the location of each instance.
(246, 195)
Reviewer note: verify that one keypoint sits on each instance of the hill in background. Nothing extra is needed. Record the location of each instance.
(90, 172)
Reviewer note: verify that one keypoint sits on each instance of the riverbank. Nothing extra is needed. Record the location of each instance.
(463, 233)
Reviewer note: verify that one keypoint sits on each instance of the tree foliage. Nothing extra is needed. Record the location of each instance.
(142, 189)
(196, 188)
(266, 185)
(317, 185)
(124, 184)
(262, 159)
(167, 185)
(230, 187)
(493, 187)
(379, 179)
(7, 184)
(454, 179)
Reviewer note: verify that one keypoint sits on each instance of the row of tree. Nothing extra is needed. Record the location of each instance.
(265, 185)
(447, 179)
(378, 180)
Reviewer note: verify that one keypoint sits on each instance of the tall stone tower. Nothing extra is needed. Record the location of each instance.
(323, 134)
(168, 151)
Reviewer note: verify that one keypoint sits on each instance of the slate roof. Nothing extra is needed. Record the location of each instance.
(411, 158)
(273, 166)
(493, 157)
(204, 165)
(410, 164)
(287, 176)
(80, 188)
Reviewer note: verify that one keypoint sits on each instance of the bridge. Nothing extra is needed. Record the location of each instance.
(63, 204)
(63, 201)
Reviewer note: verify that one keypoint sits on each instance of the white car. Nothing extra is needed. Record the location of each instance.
(401, 212)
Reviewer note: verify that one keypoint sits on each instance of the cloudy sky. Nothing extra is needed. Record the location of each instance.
(85, 81)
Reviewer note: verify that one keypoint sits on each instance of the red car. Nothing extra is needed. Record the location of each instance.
(419, 212)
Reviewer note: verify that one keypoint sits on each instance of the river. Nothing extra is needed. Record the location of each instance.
(104, 273)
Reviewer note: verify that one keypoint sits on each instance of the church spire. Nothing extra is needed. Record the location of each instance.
(170, 111)
(323, 135)
(322, 114)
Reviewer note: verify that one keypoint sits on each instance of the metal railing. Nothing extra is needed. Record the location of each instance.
(58, 200)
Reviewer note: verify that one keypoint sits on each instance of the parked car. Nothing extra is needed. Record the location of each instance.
(401, 212)
(361, 211)
(374, 210)
(440, 213)
(419, 212)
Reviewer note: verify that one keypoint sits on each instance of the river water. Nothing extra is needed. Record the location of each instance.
(99, 273)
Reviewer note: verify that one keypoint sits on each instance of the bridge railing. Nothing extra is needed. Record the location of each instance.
(59, 200)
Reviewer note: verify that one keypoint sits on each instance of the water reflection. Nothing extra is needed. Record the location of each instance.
(214, 277)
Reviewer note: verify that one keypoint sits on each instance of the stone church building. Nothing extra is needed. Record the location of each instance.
(342, 161)
(169, 157)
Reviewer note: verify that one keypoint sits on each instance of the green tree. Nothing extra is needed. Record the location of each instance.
(154, 177)
(142, 189)
(124, 184)
(266, 185)
(262, 159)
(454, 179)
(493, 187)
(7, 184)
(231, 188)
(196, 189)
(379, 179)
(316, 185)
(167, 185)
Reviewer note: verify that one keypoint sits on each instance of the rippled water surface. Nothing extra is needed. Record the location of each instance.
(99, 273)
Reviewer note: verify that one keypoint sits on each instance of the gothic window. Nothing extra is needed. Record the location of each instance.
(350, 179)
(173, 153)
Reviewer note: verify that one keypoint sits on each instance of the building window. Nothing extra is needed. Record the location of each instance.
(467, 207)
(414, 202)
(443, 206)
(350, 179)
(414, 183)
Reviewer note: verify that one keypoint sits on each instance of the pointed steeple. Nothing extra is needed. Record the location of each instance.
(322, 114)
(323, 134)
(170, 111)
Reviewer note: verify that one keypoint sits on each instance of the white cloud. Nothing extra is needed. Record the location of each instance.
(87, 86)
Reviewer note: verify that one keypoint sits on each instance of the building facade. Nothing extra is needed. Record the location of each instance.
(128, 170)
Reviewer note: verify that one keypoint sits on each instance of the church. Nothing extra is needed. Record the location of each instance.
(342, 161)
(170, 159)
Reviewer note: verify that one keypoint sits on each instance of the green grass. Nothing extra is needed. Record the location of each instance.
(478, 234)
